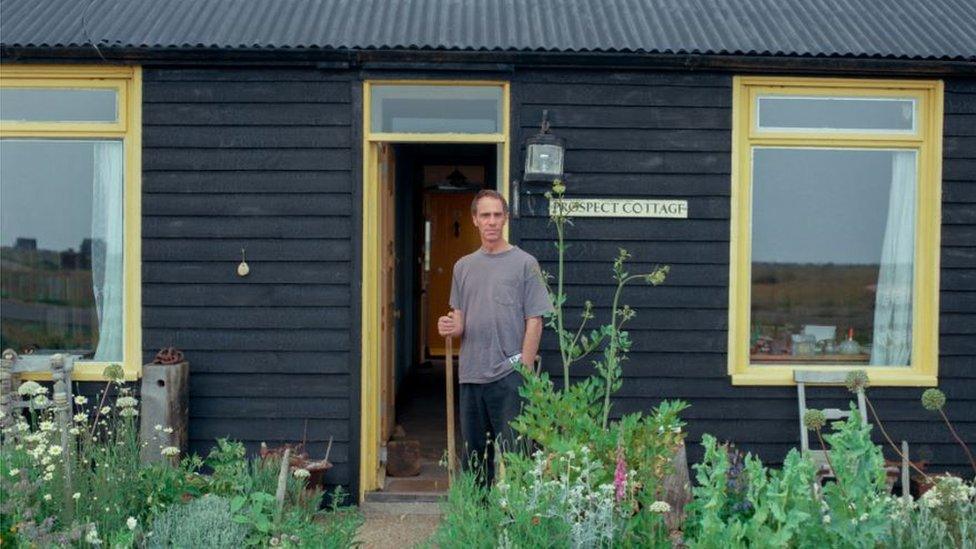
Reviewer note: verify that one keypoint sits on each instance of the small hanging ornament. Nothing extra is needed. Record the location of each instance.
(243, 269)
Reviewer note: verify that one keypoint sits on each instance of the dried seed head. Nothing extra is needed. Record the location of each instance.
(814, 419)
(933, 399)
(857, 380)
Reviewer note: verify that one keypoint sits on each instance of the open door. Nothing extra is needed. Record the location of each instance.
(389, 312)
(452, 236)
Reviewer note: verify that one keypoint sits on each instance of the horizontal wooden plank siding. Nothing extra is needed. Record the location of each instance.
(645, 134)
(257, 159)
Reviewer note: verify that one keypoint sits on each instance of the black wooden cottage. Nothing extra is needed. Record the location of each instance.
(825, 151)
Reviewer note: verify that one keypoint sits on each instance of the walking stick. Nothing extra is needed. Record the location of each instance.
(449, 378)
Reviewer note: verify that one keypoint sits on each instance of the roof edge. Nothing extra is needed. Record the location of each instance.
(399, 59)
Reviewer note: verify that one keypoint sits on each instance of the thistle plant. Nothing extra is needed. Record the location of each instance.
(574, 345)
(857, 382)
(935, 400)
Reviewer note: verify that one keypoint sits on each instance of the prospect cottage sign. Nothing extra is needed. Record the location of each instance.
(619, 207)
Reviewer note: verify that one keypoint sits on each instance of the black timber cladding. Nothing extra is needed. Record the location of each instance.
(259, 159)
(668, 135)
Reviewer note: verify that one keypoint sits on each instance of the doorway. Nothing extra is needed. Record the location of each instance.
(433, 187)
(416, 134)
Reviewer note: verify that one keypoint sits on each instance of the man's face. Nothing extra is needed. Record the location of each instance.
(490, 218)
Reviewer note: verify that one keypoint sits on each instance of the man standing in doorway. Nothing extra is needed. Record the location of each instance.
(498, 299)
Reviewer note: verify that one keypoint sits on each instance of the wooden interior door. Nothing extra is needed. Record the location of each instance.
(452, 236)
(389, 313)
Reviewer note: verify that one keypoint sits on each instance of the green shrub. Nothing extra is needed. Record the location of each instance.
(204, 522)
(944, 517)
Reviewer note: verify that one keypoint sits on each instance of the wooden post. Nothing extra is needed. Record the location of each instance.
(283, 479)
(449, 378)
(62, 409)
(905, 480)
(7, 388)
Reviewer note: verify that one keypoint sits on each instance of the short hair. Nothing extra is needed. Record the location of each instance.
(488, 193)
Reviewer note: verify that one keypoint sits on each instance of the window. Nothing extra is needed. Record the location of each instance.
(835, 229)
(70, 214)
(428, 108)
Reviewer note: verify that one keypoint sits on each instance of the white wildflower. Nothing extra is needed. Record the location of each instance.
(826, 519)
(54, 450)
(170, 451)
(45, 460)
(47, 497)
(92, 536)
(131, 522)
(14, 472)
(76, 496)
(126, 402)
(660, 507)
(81, 400)
(74, 430)
(81, 417)
(42, 390)
(46, 426)
(50, 468)
(863, 517)
(128, 412)
(28, 388)
(41, 401)
(158, 427)
(48, 476)
(301, 473)
(168, 430)
(105, 410)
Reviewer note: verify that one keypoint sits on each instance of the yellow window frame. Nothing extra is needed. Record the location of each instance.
(127, 81)
(372, 250)
(926, 140)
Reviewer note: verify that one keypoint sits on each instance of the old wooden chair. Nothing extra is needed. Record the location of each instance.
(819, 378)
(837, 378)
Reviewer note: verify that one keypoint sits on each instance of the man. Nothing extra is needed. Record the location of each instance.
(498, 299)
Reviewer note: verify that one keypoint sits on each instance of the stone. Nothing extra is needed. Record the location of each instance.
(403, 458)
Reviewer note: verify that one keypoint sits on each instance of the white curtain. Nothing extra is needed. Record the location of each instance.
(107, 249)
(892, 341)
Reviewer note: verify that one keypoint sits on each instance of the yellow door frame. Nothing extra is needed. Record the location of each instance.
(370, 347)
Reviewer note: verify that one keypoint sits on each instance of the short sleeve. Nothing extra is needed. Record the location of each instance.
(455, 300)
(536, 300)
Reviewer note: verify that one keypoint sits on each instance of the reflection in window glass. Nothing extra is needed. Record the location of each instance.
(436, 109)
(58, 105)
(833, 235)
(61, 247)
(836, 113)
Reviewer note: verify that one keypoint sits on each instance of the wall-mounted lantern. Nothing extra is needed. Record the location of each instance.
(543, 155)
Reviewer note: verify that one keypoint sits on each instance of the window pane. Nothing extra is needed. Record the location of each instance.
(436, 109)
(58, 105)
(836, 113)
(62, 266)
(833, 236)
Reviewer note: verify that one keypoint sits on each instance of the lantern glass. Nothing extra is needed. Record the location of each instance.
(544, 160)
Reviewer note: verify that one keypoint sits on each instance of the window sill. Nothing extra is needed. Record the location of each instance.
(879, 376)
(87, 371)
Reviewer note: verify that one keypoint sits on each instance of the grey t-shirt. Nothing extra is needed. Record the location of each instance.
(496, 293)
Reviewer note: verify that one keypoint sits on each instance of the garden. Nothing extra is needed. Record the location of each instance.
(584, 480)
(85, 486)
(580, 476)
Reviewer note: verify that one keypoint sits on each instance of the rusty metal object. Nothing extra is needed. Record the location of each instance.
(168, 355)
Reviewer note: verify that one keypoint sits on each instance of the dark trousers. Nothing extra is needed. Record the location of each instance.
(487, 409)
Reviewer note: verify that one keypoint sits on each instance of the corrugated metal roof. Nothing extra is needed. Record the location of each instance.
(907, 29)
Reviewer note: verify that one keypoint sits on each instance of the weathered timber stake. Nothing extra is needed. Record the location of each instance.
(165, 401)
(283, 479)
(677, 489)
